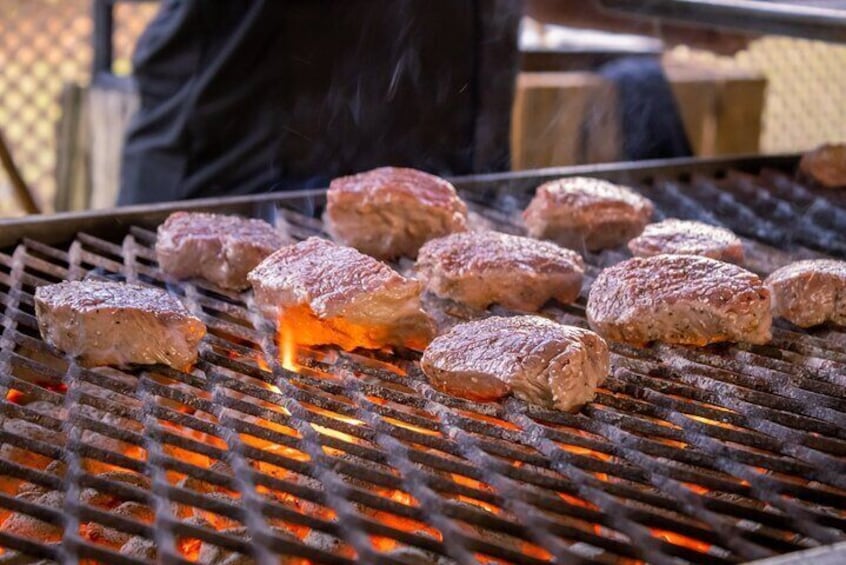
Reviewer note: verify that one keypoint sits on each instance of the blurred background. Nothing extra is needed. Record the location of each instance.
(64, 103)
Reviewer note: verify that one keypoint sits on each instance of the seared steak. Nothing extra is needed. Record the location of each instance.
(679, 299)
(390, 212)
(483, 268)
(687, 237)
(220, 249)
(541, 361)
(329, 293)
(110, 323)
(586, 213)
(808, 293)
(826, 165)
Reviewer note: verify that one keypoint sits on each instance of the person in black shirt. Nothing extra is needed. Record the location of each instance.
(245, 97)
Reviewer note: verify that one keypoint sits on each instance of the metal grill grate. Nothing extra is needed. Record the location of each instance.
(714, 454)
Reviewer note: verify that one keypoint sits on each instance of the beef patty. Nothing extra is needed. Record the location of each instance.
(539, 360)
(483, 268)
(688, 237)
(808, 293)
(390, 212)
(825, 165)
(111, 323)
(586, 213)
(334, 294)
(683, 299)
(221, 249)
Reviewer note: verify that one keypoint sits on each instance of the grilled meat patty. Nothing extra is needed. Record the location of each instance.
(541, 361)
(111, 323)
(221, 249)
(390, 212)
(808, 293)
(687, 237)
(338, 295)
(586, 213)
(683, 299)
(483, 268)
(825, 165)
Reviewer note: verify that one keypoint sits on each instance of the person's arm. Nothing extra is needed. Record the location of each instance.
(587, 14)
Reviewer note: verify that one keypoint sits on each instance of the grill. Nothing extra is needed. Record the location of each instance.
(719, 454)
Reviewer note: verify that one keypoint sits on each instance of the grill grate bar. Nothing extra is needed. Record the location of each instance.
(715, 454)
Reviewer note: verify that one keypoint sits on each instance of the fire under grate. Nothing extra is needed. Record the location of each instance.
(719, 454)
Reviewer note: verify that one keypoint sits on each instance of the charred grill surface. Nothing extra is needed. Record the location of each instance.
(716, 454)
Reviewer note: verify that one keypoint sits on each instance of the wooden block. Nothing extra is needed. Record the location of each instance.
(110, 112)
(696, 92)
(73, 140)
(739, 115)
(550, 118)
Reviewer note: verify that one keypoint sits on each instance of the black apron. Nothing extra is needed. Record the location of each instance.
(244, 97)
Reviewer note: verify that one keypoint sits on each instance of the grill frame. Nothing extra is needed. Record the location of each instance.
(633, 450)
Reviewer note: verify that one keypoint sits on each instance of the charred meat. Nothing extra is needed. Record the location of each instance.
(586, 213)
(221, 249)
(483, 268)
(809, 293)
(825, 165)
(390, 212)
(688, 237)
(110, 323)
(539, 360)
(682, 299)
(334, 294)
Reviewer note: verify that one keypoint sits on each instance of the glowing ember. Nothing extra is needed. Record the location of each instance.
(697, 488)
(473, 483)
(14, 396)
(579, 450)
(710, 422)
(398, 522)
(17, 397)
(680, 540)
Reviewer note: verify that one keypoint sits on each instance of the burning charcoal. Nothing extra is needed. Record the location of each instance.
(106, 323)
(483, 268)
(321, 293)
(139, 548)
(219, 248)
(211, 554)
(105, 500)
(200, 486)
(330, 544)
(31, 431)
(219, 521)
(103, 535)
(538, 360)
(27, 526)
(414, 556)
(392, 211)
(586, 213)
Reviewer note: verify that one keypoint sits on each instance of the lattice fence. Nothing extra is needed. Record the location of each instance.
(44, 45)
(806, 93)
